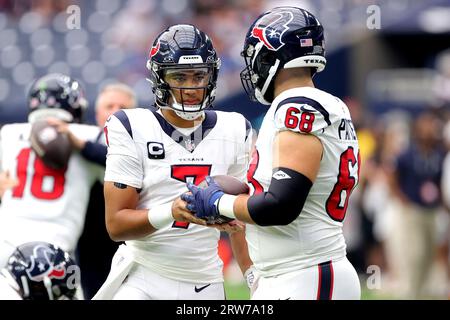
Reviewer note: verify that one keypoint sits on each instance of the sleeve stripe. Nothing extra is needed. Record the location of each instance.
(310, 102)
(122, 116)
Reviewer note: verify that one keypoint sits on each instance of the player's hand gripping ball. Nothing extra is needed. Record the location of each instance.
(206, 195)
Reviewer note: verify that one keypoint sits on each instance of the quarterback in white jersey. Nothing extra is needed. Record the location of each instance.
(148, 157)
(46, 204)
(151, 156)
(304, 167)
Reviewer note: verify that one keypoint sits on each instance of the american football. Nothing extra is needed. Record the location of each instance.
(230, 185)
(52, 147)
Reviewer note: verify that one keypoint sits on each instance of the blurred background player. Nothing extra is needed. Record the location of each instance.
(39, 271)
(303, 170)
(46, 204)
(151, 155)
(95, 238)
(112, 97)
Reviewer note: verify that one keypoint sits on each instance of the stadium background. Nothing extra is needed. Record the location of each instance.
(388, 62)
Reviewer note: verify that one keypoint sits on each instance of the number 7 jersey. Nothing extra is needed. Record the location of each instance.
(316, 235)
(146, 152)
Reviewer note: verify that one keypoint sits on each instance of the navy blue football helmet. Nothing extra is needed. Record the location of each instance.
(284, 37)
(182, 46)
(42, 271)
(58, 96)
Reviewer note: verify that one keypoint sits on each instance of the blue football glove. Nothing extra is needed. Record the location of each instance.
(203, 202)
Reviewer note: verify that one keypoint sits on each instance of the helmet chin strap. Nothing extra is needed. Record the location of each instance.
(26, 288)
(189, 116)
(259, 94)
(48, 287)
(260, 97)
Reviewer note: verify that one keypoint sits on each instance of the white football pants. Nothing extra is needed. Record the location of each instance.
(332, 280)
(144, 284)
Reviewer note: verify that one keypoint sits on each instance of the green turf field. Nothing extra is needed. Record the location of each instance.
(236, 291)
(241, 292)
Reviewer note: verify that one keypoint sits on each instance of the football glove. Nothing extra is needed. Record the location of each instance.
(204, 202)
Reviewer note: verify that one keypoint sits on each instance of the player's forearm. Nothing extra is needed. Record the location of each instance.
(241, 210)
(129, 224)
(240, 250)
(95, 152)
(280, 205)
(76, 142)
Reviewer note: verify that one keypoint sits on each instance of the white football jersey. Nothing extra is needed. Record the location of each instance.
(316, 235)
(6, 291)
(46, 205)
(147, 153)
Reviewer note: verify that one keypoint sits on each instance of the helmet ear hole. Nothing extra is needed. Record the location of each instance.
(303, 32)
(266, 59)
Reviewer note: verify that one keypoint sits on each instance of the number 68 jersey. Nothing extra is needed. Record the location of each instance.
(316, 234)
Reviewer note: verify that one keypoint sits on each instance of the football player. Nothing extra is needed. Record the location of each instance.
(46, 204)
(39, 271)
(151, 156)
(112, 97)
(303, 170)
(94, 239)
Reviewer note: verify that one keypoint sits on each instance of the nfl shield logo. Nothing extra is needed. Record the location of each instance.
(190, 145)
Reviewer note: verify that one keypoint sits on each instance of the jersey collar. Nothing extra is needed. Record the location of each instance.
(189, 142)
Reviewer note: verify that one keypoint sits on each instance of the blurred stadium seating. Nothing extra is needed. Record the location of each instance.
(114, 37)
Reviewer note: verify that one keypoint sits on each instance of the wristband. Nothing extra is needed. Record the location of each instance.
(250, 275)
(226, 206)
(161, 215)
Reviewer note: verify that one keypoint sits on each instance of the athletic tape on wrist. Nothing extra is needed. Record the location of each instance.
(226, 206)
(160, 216)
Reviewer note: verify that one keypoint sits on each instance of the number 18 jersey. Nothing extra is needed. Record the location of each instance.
(46, 204)
(315, 236)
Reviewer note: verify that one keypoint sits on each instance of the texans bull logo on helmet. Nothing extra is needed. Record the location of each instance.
(154, 50)
(267, 29)
(42, 266)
